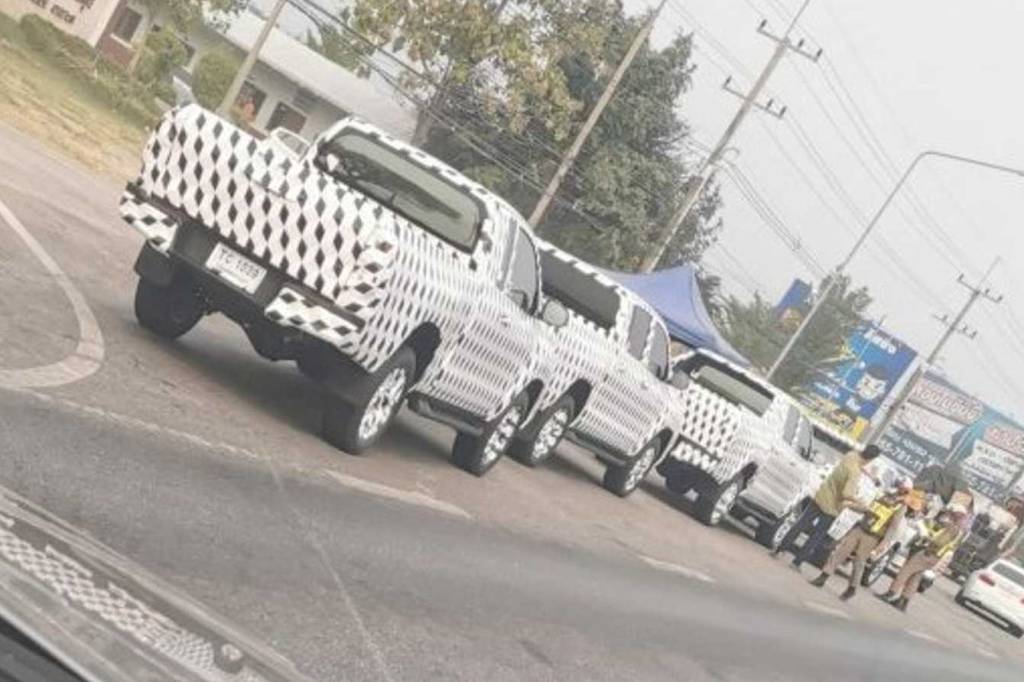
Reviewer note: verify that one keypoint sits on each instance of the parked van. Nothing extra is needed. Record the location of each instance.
(384, 273)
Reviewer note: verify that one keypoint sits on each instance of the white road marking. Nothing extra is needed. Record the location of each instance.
(827, 610)
(413, 497)
(923, 635)
(676, 568)
(142, 425)
(88, 353)
(986, 652)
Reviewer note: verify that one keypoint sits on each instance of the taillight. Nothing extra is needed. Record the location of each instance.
(987, 579)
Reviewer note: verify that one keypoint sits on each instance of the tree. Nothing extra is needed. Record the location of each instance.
(622, 186)
(161, 53)
(340, 49)
(756, 331)
(504, 48)
(185, 14)
(212, 77)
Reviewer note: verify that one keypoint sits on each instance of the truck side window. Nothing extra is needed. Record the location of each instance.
(524, 276)
(639, 325)
(657, 360)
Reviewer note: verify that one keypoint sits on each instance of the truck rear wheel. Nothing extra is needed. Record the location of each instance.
(623, 480)
(552, 426)
(479, 454)
(355, 422)
(170, 310)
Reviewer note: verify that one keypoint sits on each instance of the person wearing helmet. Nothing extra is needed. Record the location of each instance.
(876, 530)
(944, 533)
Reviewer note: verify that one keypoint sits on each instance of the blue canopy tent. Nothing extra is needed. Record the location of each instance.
(675, 294)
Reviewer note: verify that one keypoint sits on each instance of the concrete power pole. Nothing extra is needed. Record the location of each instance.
(954, 326)
(595, 114)
(250, 59)
(693, 192)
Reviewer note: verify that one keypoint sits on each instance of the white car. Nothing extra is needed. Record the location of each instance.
(998, 591)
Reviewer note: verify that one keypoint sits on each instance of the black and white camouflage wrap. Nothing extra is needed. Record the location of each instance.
(382, 276)
(722, 438)
(626, 415)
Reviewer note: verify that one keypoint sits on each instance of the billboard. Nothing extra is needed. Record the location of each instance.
(849, 390)
(795, 302)
(941, 423)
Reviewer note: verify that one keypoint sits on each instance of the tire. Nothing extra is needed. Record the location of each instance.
(959, 598)
(356, 422)
(874, 570)
(623, 480)
(1016, 632)
(479, 454)
(552, 427)
(168, 311)
(714, 502)
(771, 534)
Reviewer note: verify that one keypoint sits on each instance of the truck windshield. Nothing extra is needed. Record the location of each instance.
(398, 182)
(730, 385)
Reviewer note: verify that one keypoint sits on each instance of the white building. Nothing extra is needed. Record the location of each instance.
(292, 86)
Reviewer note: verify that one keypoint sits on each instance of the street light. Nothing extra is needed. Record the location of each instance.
(820, 300)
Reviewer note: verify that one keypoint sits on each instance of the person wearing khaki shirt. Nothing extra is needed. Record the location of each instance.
(837, 492)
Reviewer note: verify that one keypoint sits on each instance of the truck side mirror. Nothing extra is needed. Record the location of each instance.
(554, 313)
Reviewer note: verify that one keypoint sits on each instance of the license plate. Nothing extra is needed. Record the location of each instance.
(236, 268)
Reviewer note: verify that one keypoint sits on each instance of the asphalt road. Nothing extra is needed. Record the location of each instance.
(200, 461)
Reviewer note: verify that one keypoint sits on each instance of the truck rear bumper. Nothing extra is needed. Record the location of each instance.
(176, 242)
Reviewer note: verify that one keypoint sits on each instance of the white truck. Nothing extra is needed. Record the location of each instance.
(744, 447)
(384, 273)
(605, 379)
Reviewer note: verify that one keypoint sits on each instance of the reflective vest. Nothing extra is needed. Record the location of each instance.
(881, 515)
(936, 546)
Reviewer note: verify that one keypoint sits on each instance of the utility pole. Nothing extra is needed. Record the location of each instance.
(836, 275)
(595, 114)
(954, 326)
(693, 192)
(250, 59)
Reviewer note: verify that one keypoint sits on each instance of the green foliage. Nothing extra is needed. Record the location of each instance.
(162, 52)
(185, 14)
(455, 42)
(624, 182)
(40, 34)
(757, 332)
(132, 99)
(340, 48)
(212, 77)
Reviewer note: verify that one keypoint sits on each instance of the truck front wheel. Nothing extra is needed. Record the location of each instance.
(355, 422)
(623, 480)
(170, 310)
(717, 500)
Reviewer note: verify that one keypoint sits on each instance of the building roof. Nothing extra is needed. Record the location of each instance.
(369, 98)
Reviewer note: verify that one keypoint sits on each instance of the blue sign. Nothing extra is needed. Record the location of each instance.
(851, 387)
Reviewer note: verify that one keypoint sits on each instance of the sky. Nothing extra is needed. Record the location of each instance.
(895, 78)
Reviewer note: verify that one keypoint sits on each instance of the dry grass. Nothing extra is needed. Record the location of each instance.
(52, 106)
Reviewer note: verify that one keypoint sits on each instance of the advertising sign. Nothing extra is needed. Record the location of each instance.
(941, 423)
(795, 302)
(852, 386)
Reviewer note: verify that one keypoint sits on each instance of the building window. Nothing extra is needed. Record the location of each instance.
(285, 116)
(250, 101)
(127, 24)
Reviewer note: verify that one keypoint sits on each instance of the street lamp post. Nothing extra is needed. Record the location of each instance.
(819, 301)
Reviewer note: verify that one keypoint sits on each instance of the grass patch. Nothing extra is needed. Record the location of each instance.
(62, 96)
